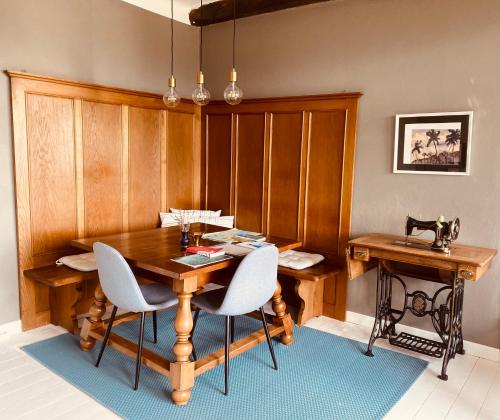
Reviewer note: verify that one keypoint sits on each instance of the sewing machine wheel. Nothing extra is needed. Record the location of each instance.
(454, 229)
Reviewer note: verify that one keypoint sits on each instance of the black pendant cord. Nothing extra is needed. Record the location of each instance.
(201, 35)
(234, 33)
(171, 37)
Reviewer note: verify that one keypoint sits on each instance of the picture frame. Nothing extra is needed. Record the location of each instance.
(433, 143)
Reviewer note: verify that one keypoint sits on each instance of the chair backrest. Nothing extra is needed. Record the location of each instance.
(117, 279)
(253, 283)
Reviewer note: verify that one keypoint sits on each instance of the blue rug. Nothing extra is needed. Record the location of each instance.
(321, 376)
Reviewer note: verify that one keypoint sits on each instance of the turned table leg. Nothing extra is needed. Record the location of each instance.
(182, 370)
(283, 318)
(96, 312)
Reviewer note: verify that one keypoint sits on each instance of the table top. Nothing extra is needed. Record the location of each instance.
(460, 254)
(153, 250)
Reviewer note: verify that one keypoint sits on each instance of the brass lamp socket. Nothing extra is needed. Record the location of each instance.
(171, 82)
(200, 79)
(233, 76)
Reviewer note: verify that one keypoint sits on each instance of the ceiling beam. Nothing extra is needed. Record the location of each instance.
(222, 10)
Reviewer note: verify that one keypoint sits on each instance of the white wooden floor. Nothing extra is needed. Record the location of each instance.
(30, 391)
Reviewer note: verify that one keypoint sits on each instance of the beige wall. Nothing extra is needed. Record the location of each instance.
(406, 56)
(101, 41)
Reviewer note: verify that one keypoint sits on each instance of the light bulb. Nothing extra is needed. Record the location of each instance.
(201, 96)
(233, 95)
(171, 98)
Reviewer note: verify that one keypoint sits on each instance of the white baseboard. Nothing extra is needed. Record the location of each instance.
(474, 349)
(13, 327)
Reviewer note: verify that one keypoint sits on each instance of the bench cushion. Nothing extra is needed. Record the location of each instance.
(299, 260)
(317, 272)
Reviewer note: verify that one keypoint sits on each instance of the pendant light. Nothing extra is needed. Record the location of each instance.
(233, 95)
(171, 97)
(201, 96)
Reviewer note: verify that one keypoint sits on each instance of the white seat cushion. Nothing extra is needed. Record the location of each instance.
(299, 260)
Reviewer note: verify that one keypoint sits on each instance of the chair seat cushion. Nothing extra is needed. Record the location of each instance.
(210, 301)
(159, 295)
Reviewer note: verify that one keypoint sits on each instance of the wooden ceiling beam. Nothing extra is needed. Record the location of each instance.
(222, 10)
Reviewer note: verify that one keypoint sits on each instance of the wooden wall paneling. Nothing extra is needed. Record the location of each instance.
(144, 168)
(102, 168)
(249, 168)
(75, 153)
(80, 194)
(285, 174)
(324, 181)
(308, 166)
(51, 158)
(27, 296)
(232, 177)
(306, 133)
(163, 161)
(125, 171)
(218, 161)
(266, 174)
(182, 192)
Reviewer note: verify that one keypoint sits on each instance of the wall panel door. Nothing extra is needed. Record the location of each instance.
(144, 182)
(324, 181)
(182, 188)
(218, 162)
(51, 156)
(102, 168)
(249, 175)
(285, 175)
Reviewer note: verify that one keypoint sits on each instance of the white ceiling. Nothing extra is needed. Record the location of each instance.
(162, 7)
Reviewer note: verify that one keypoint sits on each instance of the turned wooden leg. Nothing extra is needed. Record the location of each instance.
(182, 370)
(282, 318)
(96, 312)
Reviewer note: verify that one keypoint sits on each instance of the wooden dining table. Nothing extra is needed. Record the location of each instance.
(150, 255)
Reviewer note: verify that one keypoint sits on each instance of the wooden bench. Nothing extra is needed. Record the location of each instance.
(309, 288)
(66, 292)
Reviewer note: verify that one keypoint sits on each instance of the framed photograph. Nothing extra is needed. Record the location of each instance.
(436, 143)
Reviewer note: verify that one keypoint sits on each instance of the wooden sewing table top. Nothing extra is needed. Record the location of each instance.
(470, 262)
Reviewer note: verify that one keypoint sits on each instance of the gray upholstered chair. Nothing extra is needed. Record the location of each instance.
(252, 285)
(120, 287)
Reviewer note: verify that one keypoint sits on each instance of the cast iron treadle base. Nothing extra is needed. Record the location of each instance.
(418, 344)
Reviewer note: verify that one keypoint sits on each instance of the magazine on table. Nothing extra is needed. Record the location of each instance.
(254, 244)
(195, 260)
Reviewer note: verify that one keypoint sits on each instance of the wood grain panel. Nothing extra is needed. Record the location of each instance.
(102, 168)
(181, 164)
(51, 154)
(324, 181)
(284, 184)
(144, 185)
(249, 171)
(218, 162)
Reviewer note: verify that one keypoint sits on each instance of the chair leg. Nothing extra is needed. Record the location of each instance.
(226, 359)
(232, 329)
(106, 336)
(139, 353)
(155, 326)
(195, 320)
(269, 343)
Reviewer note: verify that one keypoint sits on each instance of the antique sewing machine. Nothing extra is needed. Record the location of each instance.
(445, 232)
